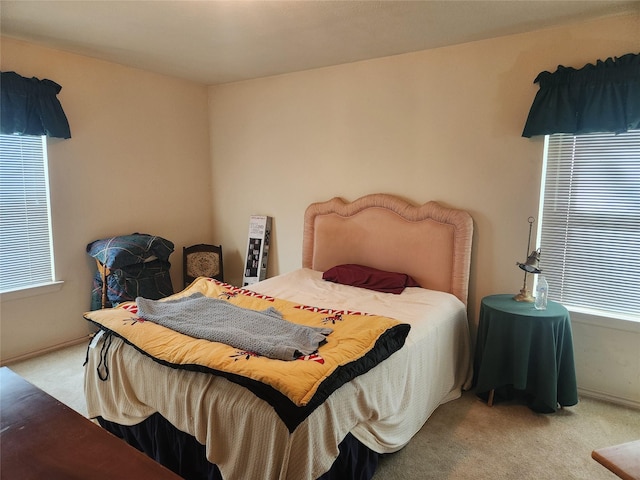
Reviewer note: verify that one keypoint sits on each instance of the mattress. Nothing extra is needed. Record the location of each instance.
(243, 435)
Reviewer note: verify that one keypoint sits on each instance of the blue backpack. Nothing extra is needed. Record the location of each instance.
(130, 266)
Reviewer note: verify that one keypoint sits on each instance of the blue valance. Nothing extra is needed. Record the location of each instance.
(30, 107)
(604, 97)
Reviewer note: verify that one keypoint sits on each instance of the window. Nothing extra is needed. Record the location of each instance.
(589, 225)
(26, 251)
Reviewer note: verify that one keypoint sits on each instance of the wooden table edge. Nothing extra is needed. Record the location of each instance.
(600, 456)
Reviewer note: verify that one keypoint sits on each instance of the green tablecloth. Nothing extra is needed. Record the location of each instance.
(524, 351)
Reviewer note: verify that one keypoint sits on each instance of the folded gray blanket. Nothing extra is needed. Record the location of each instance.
(263, 332)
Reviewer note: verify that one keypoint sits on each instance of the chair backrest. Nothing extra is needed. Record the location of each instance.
(202, 261)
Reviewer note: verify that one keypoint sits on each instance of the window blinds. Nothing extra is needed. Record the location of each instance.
(590, 221)
(25, 229)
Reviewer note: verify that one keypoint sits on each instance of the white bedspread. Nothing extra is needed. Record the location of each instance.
(243, 435)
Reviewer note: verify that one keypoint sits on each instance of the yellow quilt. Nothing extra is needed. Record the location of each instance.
(358, 342)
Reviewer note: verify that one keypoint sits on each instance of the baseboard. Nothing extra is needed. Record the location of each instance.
(627, 402)
(37, 353)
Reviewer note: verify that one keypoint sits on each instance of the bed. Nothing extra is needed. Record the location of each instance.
(206, 425)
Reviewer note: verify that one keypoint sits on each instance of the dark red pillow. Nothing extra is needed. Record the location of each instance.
(371, 278)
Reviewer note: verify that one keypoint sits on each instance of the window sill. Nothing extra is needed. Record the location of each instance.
(31, 291)
(625, 323)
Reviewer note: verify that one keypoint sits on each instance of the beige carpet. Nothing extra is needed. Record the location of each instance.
(466, 439)
(463, 439)
(58, 373)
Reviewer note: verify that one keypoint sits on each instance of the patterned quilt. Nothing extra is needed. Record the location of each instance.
(357, 343)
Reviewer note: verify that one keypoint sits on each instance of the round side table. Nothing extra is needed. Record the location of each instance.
(521, 351)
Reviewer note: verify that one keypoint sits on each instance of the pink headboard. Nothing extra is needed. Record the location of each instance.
(430, 242)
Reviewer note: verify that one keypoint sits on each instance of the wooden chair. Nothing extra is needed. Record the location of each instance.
(202, 261)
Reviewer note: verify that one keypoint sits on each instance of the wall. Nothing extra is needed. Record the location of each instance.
(443, 124)
(138, 161)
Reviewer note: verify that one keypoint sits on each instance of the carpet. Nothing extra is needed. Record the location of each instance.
(463, 439)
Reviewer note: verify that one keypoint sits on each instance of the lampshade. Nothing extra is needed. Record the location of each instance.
(532, 265)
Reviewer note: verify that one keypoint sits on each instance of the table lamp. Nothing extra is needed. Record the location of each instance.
(532, 265)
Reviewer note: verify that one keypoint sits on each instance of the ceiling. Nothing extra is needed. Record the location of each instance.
(221, 41)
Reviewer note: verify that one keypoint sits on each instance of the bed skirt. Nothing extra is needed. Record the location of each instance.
(184, 455)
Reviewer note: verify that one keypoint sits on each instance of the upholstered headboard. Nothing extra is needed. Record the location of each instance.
(430, 242)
